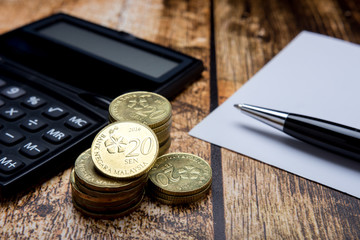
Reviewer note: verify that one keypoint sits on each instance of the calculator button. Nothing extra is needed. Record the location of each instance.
(76, 123)
(55, 135)
(33, 124)
(12, 113)
(1, 103)
(2, 82)
(33, 149)
(34, 102)
(13, 92)
(9, 164)
(55, 112)
(10, 137)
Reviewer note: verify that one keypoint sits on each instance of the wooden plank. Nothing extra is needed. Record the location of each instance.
(47, 212)
(262, 201)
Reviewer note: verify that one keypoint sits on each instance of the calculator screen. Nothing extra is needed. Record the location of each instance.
(89, 59)
(115, 51)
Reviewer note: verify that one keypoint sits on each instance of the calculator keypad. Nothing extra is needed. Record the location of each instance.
(13, 92)
(55, 112)
(56, 135)
(34, 102)
(12, 113)
(9, 164)
(76, 123)
(33, 149)
(2, 82)
(32, 125)
(10, 137)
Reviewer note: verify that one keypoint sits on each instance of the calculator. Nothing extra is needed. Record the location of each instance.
(57, 78)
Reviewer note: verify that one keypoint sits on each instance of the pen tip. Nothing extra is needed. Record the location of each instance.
(239, 106)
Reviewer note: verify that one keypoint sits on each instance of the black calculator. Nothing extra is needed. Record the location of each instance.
(57, 78)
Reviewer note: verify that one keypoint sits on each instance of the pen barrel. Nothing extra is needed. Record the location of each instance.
(331, 136)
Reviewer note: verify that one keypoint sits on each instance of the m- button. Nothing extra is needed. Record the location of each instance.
(55, 135)
(33, 149)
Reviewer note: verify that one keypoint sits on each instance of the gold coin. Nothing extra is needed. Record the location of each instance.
(87, 175)
(111, 120)
(180, 174)
(163, 151)
(112, 195)
(154, 191)
(114, 208)
(163, 135)
(103, 198)
(166, 125)
(165, 143)
(168, 199)
(148, 108)
(125, 150)
(164, 147)
(91, 203)
(106, 215)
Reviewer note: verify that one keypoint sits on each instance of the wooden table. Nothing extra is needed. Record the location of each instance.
(249, 199)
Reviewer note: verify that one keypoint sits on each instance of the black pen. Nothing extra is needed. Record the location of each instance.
(334, 137)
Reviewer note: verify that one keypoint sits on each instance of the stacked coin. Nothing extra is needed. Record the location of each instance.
(148, 108)
(108, 180)
(179, 178)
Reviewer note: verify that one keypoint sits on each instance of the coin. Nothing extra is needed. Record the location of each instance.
(95, 203)
(124, 150)
(148, 108)
(87, 175)
(110, 195)
(113, 208)
(164, 147)
(170, 199)
(99, 198)
(180, 174)
(166, 125)
(163, 135)
(106, 215)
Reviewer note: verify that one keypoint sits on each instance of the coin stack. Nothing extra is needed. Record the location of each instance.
(179, 178)
(108, 180)
(148, 108)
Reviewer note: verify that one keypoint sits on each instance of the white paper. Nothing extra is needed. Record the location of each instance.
(314, 75)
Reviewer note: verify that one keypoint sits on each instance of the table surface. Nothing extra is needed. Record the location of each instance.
(249, 199)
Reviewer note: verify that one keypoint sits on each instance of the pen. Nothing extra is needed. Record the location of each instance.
(331, 136)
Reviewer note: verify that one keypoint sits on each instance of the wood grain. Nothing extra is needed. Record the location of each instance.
(46, 212)
(262, 201)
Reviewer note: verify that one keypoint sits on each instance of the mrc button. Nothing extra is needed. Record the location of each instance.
(55, 135)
